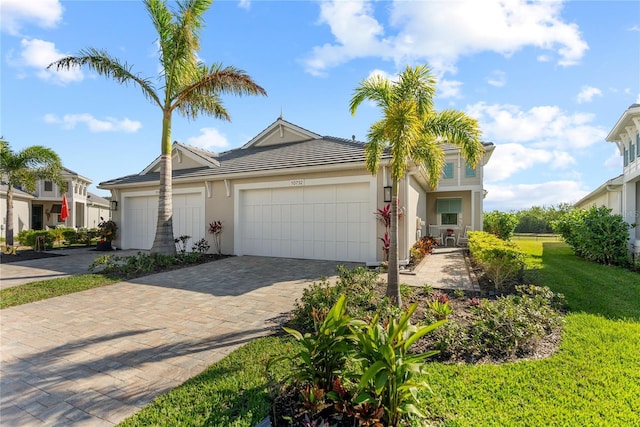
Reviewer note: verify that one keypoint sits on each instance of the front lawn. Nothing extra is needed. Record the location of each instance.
(594, 379)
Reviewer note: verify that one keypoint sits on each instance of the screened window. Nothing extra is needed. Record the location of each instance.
(448, 210)
(469, 172)
(447, 172)
(48, 186)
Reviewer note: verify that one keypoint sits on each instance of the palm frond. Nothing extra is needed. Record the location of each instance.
(375, 146)
(376, 89)
(105, 65)
(458, 129)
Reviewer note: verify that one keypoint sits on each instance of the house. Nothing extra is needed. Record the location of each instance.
(41, 210)
(289, 192)
(622, 194)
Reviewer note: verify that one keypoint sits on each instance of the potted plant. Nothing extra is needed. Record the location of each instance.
(106, 233)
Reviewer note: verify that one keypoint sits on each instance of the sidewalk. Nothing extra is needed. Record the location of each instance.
(445, 268)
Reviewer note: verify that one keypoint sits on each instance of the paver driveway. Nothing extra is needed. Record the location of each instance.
(95, 357)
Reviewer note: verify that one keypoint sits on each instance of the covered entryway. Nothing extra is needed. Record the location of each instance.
(140, 215)
(324, 222)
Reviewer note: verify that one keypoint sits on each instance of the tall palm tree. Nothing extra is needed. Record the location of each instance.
(23, 169)
(186, 85)
(412, 132)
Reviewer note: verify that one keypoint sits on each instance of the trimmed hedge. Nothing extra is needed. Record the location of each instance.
(69, 235)
(503, 261)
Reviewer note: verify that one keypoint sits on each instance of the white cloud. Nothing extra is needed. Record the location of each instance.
(614, 161)
(36, 55)
(497, 78)
(587, 93)
(15, 13)
(110, 124)
(441, 32)
(509, 159)
(449, 89)
(541, 127)
(244, 4)
(634, 28)
(209, 139)
(522, 196)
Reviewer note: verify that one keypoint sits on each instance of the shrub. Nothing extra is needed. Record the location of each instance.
(421, 248)
(502, 261)
(201, 246)
(28, 237)
(501, 224)
(596, 235)
(357, 284)
(133, 265)
(503, 327)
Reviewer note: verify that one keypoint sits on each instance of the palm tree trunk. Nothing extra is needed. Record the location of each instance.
(9, 225)
(393, 275)
(163, 242)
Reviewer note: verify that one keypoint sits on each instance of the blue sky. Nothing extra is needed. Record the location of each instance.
(547, 81)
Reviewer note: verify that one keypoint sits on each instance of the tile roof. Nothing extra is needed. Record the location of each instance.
(317, 152)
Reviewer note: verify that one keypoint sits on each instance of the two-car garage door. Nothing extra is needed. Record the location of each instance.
(140, 215)
(327, 222)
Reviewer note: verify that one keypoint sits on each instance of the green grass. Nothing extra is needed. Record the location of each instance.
(593, 380)
(36, 291)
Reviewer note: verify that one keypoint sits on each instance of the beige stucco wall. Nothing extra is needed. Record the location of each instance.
(432, 215)
(93, 215)
(610, 199)
(21, 215)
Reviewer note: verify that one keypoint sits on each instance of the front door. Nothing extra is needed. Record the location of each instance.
(36, 217)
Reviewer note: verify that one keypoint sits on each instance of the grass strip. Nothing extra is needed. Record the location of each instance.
(36, 291)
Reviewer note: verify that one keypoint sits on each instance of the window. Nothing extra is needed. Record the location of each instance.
(48, 186)
(447, 172)
(469, 172)
(56, 209)
(626, 157)
(638, 145)
(448, 210)
(632, 152)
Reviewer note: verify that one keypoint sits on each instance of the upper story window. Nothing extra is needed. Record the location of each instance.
(48, 186)
(638, 145)
(625, 155)
(447, 172)
(469, 172)
(632, 152)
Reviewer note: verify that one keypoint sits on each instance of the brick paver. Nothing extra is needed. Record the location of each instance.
(95, 357)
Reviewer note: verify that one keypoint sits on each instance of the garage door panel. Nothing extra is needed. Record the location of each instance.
(315, 222)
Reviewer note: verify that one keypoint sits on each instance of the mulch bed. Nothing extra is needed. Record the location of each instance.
(27, 256)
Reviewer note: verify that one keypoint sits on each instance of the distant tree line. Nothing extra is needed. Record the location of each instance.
(537, 219)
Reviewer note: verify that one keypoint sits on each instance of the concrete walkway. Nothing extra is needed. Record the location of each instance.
(95, 357)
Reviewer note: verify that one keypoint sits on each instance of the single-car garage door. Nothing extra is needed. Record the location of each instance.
(328, 222)
(140, 215)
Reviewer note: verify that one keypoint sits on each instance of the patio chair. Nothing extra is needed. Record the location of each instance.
(463, 239)
(434, 231)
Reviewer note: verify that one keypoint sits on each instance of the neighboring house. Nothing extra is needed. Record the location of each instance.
(21, 210)
(41, 210)
(289, 192)
(622, 194)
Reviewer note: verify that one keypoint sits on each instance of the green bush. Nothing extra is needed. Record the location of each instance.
(502, 224)
(502, 261)
(28, 237)
(596, 235)
(503, 327)
(358, 284)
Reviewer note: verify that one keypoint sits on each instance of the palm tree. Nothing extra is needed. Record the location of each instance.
(23, 169)
(187, 85)
(411, 131)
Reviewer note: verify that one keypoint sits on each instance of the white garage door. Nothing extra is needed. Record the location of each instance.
(140, 215)
(329, 222)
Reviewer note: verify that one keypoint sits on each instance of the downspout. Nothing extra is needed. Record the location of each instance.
(407, 230)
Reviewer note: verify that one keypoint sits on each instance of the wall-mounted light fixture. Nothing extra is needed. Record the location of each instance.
(114, 205)
(387, 194)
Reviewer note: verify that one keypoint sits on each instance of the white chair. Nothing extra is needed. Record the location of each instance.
(463, 239)
(434, 231)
